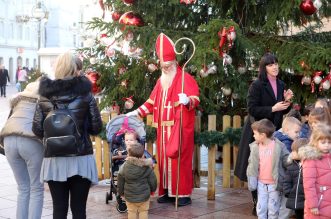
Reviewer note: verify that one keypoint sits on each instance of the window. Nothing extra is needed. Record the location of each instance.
(27, 33)
(75, 39)
(20, 31)
(2, 29)
(11, 31)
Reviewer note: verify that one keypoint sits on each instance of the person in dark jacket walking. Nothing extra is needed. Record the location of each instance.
(69, 175)
(267, 98)
(3, 80)
(293, 184)
(136, 181)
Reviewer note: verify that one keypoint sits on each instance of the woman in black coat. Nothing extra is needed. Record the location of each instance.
(262, 102)
(69, 177)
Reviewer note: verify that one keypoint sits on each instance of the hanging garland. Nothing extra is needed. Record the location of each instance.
(206, 138)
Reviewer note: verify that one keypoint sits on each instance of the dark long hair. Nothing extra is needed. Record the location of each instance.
(267, 59)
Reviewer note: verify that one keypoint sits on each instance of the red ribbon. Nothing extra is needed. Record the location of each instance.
(223, 39)
(222, 36)
(125, 127)
(128, 98)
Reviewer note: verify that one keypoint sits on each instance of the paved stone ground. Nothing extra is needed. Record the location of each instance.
(228, 203)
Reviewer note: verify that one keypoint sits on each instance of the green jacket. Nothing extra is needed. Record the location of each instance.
(279, 163)
(136, 180)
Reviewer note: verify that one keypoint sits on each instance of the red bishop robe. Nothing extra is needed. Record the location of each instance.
(166, 112)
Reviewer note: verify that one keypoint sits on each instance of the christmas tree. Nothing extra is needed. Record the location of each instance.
(230, 38)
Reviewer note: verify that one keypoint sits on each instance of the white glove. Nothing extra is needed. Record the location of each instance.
(132, 113)
(183, 99)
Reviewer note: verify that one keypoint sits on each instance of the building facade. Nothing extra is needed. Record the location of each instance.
(23, 37)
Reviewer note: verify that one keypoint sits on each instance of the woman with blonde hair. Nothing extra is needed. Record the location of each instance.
(69, 175)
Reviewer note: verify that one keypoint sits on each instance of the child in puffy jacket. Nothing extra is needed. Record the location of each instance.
(136, 181)
(316, 158)
(293, 183)
(265, 167)
(289, 132)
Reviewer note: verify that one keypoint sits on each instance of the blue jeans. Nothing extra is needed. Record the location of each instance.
(25, 157)
(268, 201)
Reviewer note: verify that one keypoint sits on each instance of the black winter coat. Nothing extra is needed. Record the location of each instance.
(76, 94)
(260, 100)
(4, 77)
(293, 187)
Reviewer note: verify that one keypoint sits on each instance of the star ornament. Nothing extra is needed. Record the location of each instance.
(187, 2)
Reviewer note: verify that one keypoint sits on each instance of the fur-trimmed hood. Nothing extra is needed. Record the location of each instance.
(139, 161)
(309, 153)
(29, 94)
(79, 85)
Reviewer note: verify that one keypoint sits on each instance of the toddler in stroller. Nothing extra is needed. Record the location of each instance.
(123, 131)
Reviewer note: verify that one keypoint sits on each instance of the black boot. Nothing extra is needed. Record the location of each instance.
(166, 199)
(254, 197)
(184, 201)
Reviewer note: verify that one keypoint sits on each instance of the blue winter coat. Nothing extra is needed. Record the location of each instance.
(285, 139)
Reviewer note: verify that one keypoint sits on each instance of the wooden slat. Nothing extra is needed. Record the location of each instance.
(236, 124)
(211, 160)
(226, 155)
(106, 159)
(197, 155)
(113, 115)
(98, 156)
(105, 117)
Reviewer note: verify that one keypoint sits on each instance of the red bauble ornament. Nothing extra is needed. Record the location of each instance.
(94, 77)
(129, 2)
(116, 15)
(128, 104)
(307, 7)
(129, 18)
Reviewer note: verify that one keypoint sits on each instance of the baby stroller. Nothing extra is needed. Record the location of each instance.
(115, 130)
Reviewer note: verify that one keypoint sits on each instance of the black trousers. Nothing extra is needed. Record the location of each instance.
(299, 214)
(77, 188)
(3, 90)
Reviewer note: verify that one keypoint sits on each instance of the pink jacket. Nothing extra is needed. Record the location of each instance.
(316, 182)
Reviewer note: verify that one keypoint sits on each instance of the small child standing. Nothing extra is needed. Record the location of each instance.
(136, 181)
(287, 134)
(316, 160)
(290, 131)
(266, 162)
(293, 183)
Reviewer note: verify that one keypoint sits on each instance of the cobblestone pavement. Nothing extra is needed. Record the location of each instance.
(228, 203)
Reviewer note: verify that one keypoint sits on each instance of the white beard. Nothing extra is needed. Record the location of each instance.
(167, 78)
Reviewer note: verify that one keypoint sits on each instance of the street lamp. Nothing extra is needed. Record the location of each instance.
(39, 12)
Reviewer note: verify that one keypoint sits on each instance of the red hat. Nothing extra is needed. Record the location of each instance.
(165, 48)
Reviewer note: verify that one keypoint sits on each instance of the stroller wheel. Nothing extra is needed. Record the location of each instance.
(108, 197)
(121, 207)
